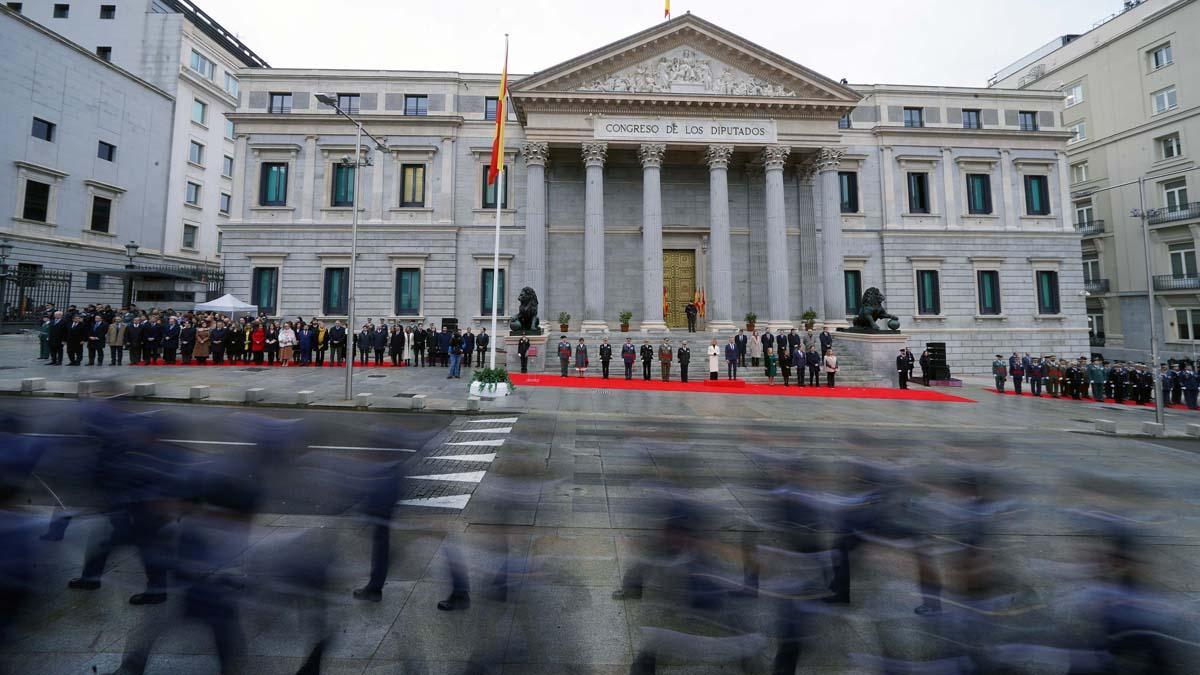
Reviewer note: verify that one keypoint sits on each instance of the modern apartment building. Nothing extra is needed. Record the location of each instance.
(1131, 96)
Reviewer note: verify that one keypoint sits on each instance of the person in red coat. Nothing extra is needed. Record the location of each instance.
(258, 343)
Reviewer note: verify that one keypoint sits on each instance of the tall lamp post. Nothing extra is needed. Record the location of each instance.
(6, 249)
(358, 162)
(131, 250)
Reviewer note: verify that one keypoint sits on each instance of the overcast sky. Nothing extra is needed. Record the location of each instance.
(948, 42)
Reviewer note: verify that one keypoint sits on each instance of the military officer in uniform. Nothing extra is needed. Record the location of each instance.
(605, 357)
(1119, 377)
(647, 354)
(564, 354)
(628, 356)
(1016, 369)
(1190, 385)
(1000, 372)
(902, 370)
(665, 356)
(691, 311)
(1034, 375)
(684, 356)
(523, 352)
(1053, 375)
(1166, 379)
(1097, 377)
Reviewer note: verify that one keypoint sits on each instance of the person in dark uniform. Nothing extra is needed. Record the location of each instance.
(1016, 370)
(468, 339)
(1118, 377)
(647, 354)
(187, 341)
(692, 312)
(523, 352)
(482, 341)
(605, 357)
(1000, 372)
(742, 343)
(1176, 384)
(912, 363)
(813, 361)
(170, 340)
(1190, 385)
(902, 370)
(95, 341)
(564, 355)
(77, 334)
(1035, 375)
(57, 337)
(665, 356)
(1166, 380)
(684, 356)
(628, 356)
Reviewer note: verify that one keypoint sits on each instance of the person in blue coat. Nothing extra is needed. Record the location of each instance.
(379, 341)
(629, 354)
(170, 340)
(443, 340)
(1166, 380)
(304, 340)
(1016, 370)
(731, 359)
(1191, 385)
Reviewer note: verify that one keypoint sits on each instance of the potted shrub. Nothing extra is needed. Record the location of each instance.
(563, 320)
(625, 317)
(491, 383)
(810, 318)
(751, 317)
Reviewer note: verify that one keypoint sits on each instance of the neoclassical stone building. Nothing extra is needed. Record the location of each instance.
(680, 159)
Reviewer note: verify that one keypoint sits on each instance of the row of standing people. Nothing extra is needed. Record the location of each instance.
(1101, 380)
(416, 345)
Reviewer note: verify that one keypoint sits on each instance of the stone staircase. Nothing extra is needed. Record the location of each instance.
(851, 371)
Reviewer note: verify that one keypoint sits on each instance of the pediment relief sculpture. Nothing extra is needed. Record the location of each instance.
(686, 71)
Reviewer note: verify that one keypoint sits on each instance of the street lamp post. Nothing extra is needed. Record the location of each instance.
(5, 250)
(131, 250)
(331, 101)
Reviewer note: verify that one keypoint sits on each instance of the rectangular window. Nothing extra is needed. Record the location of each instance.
(227, 166)
(1079, 172)
(62, 10)
(193, 194)
(226, 199)
(1091, 270)
(1074, 95)
(979, 193)
(199, 111)
(844, 121)
(416, 105)
(1164, 100)
(853, 290)
(92, 283)
(929, 294)
(1175, 196)
(343, 185)
(104, 53)
(914, 117)
(1169, 147)
(848, 183)
(1161, 57)
(918, 193)
(489, 190)
(101, 214)
(106, 151)
(202, 65)
(335, 297)
(263, 284)
(196, 153)
(1078, 132)
(1187, 324)
(1037, 196)
(37, 201)
(408, 292)
(988, 282)
(280, 103)
(412, 185)
(108, 11)
(490, 104)
(971, 119)
(229, 129)
(15, 6)
(1047, 290)
(232, 86)
(189, 236)
(272, 187)
(485, 293)
(350, 103)
(1084, 212)
(43, 129)
(220, 240)
(1183, 261)
(1027, 120)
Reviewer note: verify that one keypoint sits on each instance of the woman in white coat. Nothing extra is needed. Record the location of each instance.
(408, 346)
(754, 348)
(287, 344)
(714, 360)
(831, 367)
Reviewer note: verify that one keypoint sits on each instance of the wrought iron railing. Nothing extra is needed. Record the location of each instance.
(1176, 282)
(1173, 214)
(24, 295)
(1096, 286)
(1090, 227)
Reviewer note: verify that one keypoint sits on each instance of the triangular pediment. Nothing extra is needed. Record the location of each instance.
(686, 57)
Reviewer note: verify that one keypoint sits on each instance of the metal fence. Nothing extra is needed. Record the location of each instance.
(24, 294)
(1176, 282)
(1174, 213)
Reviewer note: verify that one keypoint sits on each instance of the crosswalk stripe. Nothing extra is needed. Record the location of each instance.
(491, 456)
(495, 420)
(352, 447)
(494, 442)
(446, 502)
(464, 477)
(495, 430)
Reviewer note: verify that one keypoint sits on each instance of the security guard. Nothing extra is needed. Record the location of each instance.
(684, 356)
(647, 354)
(1000, 372)
(605, 357)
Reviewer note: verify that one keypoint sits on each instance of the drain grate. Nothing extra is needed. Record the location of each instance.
(376, 377)
(251, 370)
(403, 395)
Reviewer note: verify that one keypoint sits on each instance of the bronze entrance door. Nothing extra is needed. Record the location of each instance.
(679, 280)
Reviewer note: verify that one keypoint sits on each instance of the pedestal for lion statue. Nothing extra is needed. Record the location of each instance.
(525, 324)
(877, 348)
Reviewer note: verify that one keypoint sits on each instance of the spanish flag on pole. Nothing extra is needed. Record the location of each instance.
(501, 117)
(667, 9)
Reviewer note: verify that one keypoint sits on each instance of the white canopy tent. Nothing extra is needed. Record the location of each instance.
(227, 304)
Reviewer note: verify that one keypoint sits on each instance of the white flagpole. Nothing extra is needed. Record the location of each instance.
(499, 200)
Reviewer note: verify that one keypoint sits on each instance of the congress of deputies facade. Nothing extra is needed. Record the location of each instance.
(679, 159)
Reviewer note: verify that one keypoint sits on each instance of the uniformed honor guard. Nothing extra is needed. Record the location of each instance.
(628, 356)
(1190, 384)
(564, 354)
(1000, 372)
(902, 370)
(1053, 375)
(1079, 379)
(1016, 370)
(605, 357)
(1035, 376)
(665, 356)
(1097, 376)
(1119, 377)
(647, 354)
(523, 352)
(1177, 385)
(1166, 379)
(684, 356)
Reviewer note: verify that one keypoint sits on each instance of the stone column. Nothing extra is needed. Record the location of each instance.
(720, 291)
(810, 278)
(651, 155)
(778, 294)
(536, 154)
(828, 161)
(594, 155)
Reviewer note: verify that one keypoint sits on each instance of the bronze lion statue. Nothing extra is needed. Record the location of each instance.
(871, 310)
(526, 320)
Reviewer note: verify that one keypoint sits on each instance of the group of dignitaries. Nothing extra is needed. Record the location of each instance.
(417, 345)
(1100, 380)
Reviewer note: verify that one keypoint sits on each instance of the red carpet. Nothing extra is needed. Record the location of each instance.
(1086, 399)
(264, 364)
(734, 387)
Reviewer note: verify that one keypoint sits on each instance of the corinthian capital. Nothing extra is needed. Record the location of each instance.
(829, 159)
(535, 152)
(773, 156)
(594, 153)
(651, 154)
(806, 168)
(717, 156)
